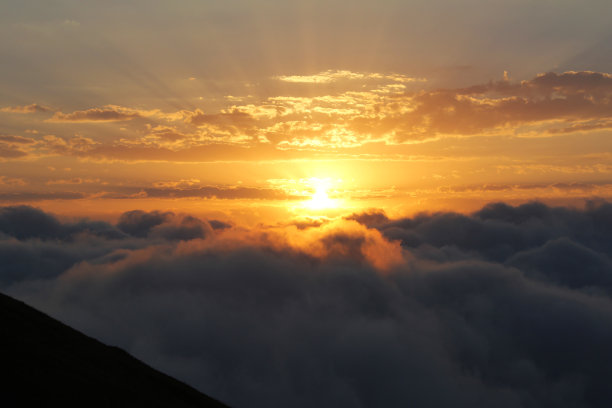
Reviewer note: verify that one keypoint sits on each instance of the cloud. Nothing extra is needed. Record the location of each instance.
(233, 126)
(508, 306)
(548, 104)
(109, 113)
(75, 180)
(183, 183)
(25, 222)
(10, 152)
(566, 83)
(549, 96)
(160, 190)
(165, 225)
(232, 118)
(10, 181)
(33, 108)
(13, 147)
(571, 97)
(373, 109)
(72, 146)
(166, 134)
(538, 189)
(226, 193)
(499, 231)
(19, 140)
(370, 218)
(329, 76)
(559, 261)
(219, 225)
(30, 196)
(582, 127)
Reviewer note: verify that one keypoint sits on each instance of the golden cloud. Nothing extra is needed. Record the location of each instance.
(329, 76)
(385, 112)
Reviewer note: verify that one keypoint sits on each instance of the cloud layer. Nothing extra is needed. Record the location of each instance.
(509, 306)
(330, 112)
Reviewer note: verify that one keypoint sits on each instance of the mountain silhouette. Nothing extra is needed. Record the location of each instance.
(46, 363)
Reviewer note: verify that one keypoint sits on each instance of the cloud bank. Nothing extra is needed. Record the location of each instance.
(509, 306)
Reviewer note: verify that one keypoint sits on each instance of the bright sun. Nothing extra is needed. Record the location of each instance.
(320, 200)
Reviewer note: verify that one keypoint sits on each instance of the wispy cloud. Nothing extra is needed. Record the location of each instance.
(106, 114)
(329, 76)
(33, 108)
(12, 181)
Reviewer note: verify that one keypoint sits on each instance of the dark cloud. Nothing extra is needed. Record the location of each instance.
(499, 231)
(36, 245)
(567, 263)
(25, 222)
(139, 223)
(163, 224)
(219, 225)
(509, 306)
(370, 218)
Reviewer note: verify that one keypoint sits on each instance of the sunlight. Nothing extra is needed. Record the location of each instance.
(320, 199)
(317, 197)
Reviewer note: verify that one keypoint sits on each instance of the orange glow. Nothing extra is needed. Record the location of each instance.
(372, 140)
(329, 239)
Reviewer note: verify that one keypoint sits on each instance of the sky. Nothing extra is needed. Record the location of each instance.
(333, 203)
(243, 110)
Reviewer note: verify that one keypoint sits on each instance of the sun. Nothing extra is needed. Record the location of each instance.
(320, 199)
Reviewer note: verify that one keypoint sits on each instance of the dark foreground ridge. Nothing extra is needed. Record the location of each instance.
(46, 363)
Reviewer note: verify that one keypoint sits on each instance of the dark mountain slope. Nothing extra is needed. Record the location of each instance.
(46, 363)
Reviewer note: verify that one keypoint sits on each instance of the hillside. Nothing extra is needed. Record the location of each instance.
(48, 363)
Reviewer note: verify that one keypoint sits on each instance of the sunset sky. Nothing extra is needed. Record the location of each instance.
(343, 204)
(244, 109)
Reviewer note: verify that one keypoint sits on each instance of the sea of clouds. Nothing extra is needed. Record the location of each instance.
(505, 307)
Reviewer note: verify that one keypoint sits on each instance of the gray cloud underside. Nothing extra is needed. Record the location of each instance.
(507, 307)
